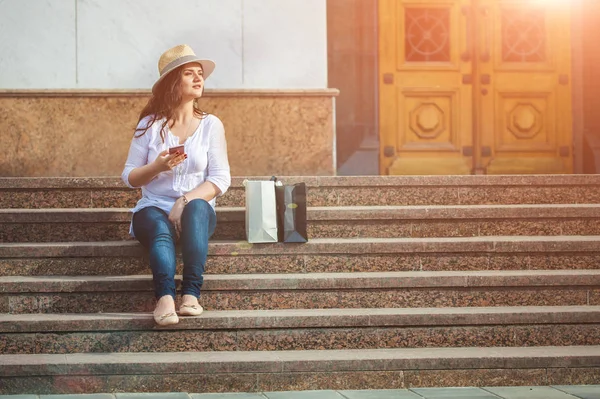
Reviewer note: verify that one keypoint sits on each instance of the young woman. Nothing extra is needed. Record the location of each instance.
(179, 186)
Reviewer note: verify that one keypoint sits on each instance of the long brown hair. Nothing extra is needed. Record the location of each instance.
(162, 104)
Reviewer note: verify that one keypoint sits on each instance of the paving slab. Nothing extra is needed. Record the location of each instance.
(159, 395)
(79, 396)
(446, 393)
(529, 393)
(581, 391)
(234, 395)
(379, 394)
(303, 395)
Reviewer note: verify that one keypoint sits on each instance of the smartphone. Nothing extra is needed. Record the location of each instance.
(179, 148)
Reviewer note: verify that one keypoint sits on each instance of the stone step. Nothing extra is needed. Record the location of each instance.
(318, 255)
(112, 224)
(302, 329)
(91, 294)
(107, 192)
(231, 371)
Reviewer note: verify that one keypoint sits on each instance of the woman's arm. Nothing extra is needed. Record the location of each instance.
(143, 175)
(137, 157)
(218, 173)
(138, 171)
(206, 191)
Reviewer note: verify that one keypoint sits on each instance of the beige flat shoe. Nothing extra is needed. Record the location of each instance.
(166, 319)
(191, 310)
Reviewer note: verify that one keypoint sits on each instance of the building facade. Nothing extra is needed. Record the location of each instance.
(425, 86)
(74, 75)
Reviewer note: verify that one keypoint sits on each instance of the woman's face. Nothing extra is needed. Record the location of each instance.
(192, 81)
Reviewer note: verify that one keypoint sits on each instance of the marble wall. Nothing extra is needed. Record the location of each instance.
(88, 134)
(115, 44)
(74, 74)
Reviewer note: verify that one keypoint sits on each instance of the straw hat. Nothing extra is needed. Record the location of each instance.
(176, 57)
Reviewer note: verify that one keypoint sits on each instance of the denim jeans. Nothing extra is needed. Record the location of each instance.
(153, 230)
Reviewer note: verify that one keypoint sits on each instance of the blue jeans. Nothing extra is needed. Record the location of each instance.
(153, 230)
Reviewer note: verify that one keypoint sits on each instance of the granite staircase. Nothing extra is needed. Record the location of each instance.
(406, 282)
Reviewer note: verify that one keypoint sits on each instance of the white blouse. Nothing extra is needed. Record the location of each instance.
(207, 161)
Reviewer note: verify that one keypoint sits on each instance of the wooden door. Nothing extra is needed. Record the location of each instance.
(474, 86)
(524, 68)
(425, 108)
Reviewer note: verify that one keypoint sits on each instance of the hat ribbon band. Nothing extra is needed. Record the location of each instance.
(179, 61)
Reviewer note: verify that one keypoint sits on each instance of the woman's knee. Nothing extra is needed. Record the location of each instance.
(163, 228)
(152, 224)
(198, 208)
(199, 214)
(198, 203)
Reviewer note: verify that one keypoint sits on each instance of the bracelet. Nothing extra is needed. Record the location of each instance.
(185, 200)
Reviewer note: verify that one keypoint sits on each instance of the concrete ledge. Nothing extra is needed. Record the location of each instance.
(93, 130)
(146, 93)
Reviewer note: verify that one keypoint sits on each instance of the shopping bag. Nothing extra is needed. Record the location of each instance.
(291, 212)
(261, 215)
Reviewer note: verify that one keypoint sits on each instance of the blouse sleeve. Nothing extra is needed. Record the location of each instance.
(138, 152)
(218, 162)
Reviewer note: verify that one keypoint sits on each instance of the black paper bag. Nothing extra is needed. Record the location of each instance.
(291, 212)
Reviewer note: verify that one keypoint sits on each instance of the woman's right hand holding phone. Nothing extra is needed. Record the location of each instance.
(165, 161)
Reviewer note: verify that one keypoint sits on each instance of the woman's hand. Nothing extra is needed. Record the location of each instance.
(165, 161)
(175, 216)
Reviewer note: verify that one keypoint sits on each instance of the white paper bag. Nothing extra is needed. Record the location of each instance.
(261, 211)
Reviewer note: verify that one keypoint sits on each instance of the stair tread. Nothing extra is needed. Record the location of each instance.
(313, 281)
(300, 361)
(354, 240)
(316, 241)
(322, 246)
(322, 254)
(114, 182)
(305, 318)
(324, 208)
(316, 276)
(340, 213)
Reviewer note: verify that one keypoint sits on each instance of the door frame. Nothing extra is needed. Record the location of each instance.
(577, 84)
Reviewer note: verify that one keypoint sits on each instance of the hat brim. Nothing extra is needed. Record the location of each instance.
(208, 66)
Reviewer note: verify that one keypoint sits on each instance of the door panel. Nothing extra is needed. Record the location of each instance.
(526, 111)
(475, 86)
(423, 125)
